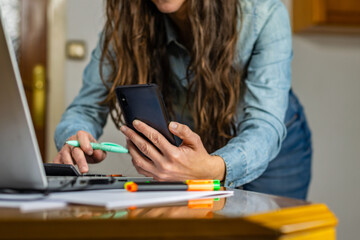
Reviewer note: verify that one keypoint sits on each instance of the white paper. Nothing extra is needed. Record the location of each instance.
(123, 199)
(32, 205)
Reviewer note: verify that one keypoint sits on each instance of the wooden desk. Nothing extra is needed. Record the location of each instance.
(246, 215)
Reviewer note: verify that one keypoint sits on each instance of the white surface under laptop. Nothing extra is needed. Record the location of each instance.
(33, 206)
(111, 199)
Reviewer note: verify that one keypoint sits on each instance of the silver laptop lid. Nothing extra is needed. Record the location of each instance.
(20, 160)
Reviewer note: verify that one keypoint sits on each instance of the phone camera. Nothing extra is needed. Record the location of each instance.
(123, 100)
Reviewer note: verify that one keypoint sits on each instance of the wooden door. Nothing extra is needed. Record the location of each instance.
(322, 14)
(344, 12)
(32, 62)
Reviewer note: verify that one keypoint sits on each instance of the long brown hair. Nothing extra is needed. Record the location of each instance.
(134, 47)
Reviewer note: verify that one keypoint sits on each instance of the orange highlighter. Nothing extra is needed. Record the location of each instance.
(189, 185)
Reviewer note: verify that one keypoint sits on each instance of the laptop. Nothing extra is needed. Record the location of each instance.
(21, 166)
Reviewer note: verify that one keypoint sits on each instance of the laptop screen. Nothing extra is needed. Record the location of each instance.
(20, 159)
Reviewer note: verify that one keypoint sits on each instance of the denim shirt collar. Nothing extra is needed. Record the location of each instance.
(171, 34)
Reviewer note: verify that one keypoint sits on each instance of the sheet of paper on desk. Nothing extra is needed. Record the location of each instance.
(32, 205)
(123, 199)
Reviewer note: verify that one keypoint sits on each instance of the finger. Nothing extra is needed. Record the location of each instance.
(145, 173)
(57, 158)
(66, 157)
(80, 159)
(154, 136)
(84, 141)
(139, 161)
(97, 156)
(185, 133)
(142, 171)
(144, 146)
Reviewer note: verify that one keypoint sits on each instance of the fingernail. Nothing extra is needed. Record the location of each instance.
(123, 128)
(173, 125)
(83, 169)
(136, 122)
(90, 153)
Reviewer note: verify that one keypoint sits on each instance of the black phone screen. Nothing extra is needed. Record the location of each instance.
(145, 103)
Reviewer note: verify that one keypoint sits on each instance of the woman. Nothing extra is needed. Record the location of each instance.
(224, 68)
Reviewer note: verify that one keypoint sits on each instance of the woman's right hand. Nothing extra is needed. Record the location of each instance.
(80, 155)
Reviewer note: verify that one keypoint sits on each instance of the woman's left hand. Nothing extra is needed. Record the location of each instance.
(188, 161)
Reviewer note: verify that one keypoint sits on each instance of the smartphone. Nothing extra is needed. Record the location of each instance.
(144, 102)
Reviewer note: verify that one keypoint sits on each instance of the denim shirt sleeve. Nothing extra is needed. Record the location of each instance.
(267, 82)
(85, 113)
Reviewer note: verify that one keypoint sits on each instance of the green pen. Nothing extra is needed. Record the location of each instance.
(105, 146)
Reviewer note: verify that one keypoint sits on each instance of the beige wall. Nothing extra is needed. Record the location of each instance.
(326, 77)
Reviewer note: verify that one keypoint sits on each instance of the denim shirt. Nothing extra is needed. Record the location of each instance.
(264, 54)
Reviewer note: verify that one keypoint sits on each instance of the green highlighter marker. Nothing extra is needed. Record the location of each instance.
(105, 146)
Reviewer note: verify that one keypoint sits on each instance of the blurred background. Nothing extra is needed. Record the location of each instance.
(54, 40)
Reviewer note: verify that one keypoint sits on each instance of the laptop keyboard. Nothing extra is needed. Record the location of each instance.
(93, 175)
(85, 182)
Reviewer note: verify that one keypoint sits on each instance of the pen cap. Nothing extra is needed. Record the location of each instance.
(203, 181)
(203, 187)
(206, 184)
(129, 186)
(216, 186)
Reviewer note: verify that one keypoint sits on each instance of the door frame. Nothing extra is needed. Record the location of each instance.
(56, 35)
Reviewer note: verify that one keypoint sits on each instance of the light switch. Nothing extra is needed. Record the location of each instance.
(75, 49)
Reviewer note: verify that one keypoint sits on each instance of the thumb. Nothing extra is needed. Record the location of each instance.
(185, 133)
